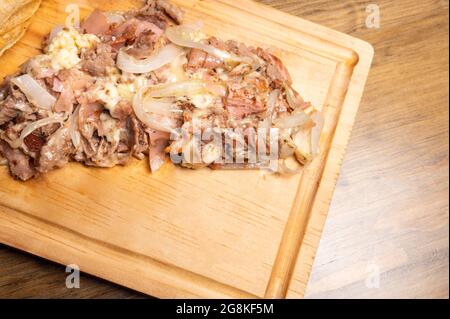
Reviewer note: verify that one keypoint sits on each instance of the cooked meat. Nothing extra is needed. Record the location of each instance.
(97, 60)
(158, 142)
(19, 164)
(65, 101)
(138, 138)
(172, 10)
(145, 44)
(99, 119)
(14, 105)
(56, 152)
(78, 80)
(8, 110)
(34, 142)
(96, 23)
(198, 59)
(122, 110)
(244, 99)
(161, 13)
(275, 69)
(129, 31)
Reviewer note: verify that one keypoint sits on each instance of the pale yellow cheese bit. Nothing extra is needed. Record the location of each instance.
(108, 94)
(66, 46)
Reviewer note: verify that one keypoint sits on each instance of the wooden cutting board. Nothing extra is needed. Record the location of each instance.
(182, 233)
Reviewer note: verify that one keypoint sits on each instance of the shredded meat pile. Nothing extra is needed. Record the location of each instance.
(99, 126)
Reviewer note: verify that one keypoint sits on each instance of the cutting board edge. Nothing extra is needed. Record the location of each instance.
(358, 44)
(319, 213)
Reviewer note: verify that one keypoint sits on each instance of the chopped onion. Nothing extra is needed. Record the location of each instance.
(293, 120)
(130, 64)
(184, 35)
(34, 126)
(74, 133)
(319, 120)
(34, 92)
(146, 118)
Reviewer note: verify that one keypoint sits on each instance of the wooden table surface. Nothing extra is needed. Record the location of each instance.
(387, 231)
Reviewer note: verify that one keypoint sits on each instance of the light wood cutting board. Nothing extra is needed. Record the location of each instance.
(182, 233)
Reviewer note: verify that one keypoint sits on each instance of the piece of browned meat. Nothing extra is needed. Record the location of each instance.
(56, 152)
(96, 23)
(98, 59)
(20, 164)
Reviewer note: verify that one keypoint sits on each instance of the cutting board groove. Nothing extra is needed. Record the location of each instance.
(181, 233)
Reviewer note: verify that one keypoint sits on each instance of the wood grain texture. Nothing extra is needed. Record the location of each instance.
(181, 233)
(391, 212)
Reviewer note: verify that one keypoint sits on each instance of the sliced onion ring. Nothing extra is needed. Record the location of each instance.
(183, 88)
(293, 100)
(319, 120)
(130, 64)
(165, 108)
(114, 17)
(34, 126)
(293, 120)
(74, 133)
(34, 92)
(146, 118)
(183, 35)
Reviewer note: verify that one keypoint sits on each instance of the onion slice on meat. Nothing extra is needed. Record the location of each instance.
(34, 92)
(147, 119)
(34, 126)
(165, 108)
(293, 120)
(185, 36)
(130, 64)
(319, 120)
(114, 17)
(293, 100)
(74, 133)
(183, 88)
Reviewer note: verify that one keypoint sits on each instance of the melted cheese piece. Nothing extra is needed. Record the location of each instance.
(66, 46)
(202, 101)
(108, 94)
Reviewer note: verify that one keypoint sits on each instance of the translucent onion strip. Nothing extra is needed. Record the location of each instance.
(34, 92)
(184, 88)
(166, 55)
(187, 36)
(34, 126)
(74, 133)
(319, 120)
(146, 118)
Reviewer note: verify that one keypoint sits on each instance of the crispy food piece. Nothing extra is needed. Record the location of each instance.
(10, 38)
(15, 17)
(20, 15)
(9, 7)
